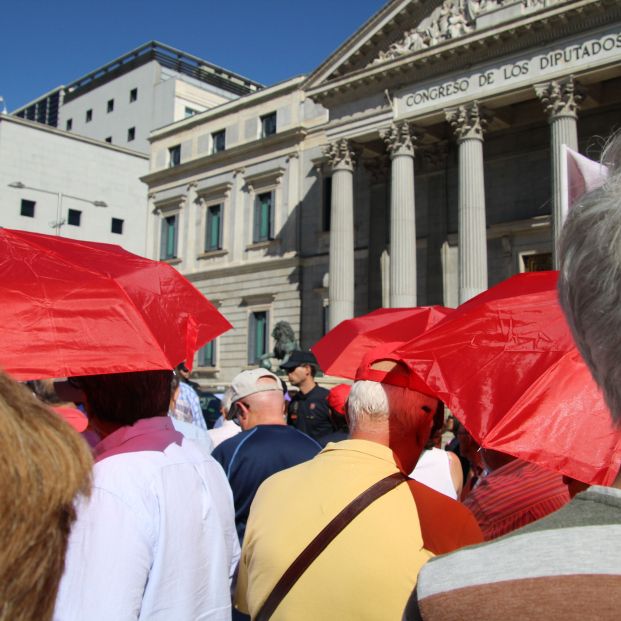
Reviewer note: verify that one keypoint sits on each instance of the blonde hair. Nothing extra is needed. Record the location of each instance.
(44, 464)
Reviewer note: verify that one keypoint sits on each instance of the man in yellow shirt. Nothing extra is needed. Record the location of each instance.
(370, 568)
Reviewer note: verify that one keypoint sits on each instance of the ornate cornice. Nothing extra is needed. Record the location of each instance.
(560, 98)
(537, 28)
(468, 122)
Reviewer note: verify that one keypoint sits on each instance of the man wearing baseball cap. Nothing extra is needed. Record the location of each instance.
(266, 444)
(374, 558)
(308, 410)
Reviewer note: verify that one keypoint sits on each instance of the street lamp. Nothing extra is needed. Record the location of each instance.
(59, 202)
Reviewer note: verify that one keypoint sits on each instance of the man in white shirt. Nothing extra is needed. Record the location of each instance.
(157, 538)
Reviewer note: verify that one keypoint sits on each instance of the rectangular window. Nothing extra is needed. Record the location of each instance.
(263, 217)
(69, 125)
(174, 156)
(133, 95)
(110, 106)
(207, 355)
(89, 116)
(73, 217)
(109, 139)
(327, 204)
(27, 208)
(117, 226)
(268, 125)
(218, 141)
(131, 134)
(257, 336)
(213, 232)
(189, 112)
(168, 248)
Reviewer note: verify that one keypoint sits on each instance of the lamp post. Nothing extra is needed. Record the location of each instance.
(59, 201)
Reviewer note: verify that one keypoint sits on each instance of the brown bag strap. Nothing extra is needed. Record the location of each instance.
(322, 540)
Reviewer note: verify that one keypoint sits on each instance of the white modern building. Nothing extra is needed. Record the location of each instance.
(122, 101)
(53, 182)
(419, 164)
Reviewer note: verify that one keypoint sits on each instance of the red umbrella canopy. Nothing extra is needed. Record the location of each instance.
(506, 365)
(340, 351)
(71, 307)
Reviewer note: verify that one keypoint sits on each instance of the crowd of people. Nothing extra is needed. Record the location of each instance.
(367, 501)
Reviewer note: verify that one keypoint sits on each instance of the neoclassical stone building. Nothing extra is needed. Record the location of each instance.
(418, 164)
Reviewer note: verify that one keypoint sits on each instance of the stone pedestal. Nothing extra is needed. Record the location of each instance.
(341, 287)
(468, 123)
(560, 99)
(400, 146)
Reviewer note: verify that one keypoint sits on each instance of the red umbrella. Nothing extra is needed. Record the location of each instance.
(340, 351)
(71, 307)
(506, 365)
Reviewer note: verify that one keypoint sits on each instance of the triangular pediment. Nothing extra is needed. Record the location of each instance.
(407, 27)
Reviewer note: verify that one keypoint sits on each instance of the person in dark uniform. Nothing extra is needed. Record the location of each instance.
(308, 410)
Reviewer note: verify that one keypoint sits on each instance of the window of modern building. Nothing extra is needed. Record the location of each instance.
(131, 134)
(189, 112)
(207, 355)
(133, 95)
(27, 208)
(73, 217)
(117, 226)
(168, 247)
(263, 217)
(268, 124)
(69, 125)
(174, 156)
(218, 141)
(110, 106)
(89, 115)
(109, 139)
(326, 212)
(213, 230)
(257, 336)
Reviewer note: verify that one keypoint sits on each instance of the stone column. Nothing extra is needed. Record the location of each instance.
(399, 141)
(341, 288)
(468, 123)
(560, 99)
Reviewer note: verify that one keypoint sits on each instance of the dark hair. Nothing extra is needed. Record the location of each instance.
(438, 424)
(127, 397)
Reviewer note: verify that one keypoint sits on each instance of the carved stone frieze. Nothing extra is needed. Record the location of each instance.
(451, 20)
(399, 139)
(468, 121)
(341, 155)
(560, 97)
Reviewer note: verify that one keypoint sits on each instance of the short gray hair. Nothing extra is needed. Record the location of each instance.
(590, 279)
(225, 402)
(372, 402)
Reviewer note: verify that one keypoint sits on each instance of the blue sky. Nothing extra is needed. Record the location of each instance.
(44, 44)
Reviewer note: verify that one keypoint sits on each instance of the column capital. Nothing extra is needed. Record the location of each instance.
(560, 98)
(468, 122)
(341, 155)
(399, 138)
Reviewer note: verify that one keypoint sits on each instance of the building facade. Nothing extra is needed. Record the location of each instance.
(52, 182)
(419, 164)
(149, 87)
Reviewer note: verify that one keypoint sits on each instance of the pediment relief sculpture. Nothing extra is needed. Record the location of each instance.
(451, 20)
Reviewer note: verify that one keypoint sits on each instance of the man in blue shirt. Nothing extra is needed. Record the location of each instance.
(265, 446)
